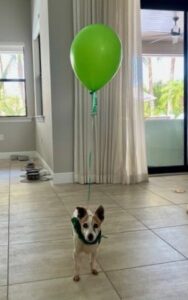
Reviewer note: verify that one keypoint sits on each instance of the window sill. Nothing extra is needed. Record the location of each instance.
(40, 119)
(15, 119)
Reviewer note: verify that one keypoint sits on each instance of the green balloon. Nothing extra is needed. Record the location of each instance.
(95, 55)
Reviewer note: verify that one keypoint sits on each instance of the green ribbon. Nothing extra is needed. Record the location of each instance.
(93, 114)
(89, 183)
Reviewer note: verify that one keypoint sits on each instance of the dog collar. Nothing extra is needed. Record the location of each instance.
(77, 228)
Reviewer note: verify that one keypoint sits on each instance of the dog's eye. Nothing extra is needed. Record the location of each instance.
(85, 225)
(95, 225)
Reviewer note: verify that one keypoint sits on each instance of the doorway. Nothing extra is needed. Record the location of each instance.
(165, 85)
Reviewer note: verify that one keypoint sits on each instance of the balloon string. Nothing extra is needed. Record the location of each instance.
(93, 114)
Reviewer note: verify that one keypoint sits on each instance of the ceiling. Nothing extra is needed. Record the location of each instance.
(157, 24)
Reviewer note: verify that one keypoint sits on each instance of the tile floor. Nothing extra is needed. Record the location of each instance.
(145, 256)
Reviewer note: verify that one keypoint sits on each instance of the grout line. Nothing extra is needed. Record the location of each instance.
(113, 286)
(142, 207)
(161, 196)
(149, 265)
(100, 271)
(155, 193)
(152, 230)
(70, 238)
(42, 241)
(50, 279)
(60, 199)
(170, 245)
(151, 206)
(169, 226)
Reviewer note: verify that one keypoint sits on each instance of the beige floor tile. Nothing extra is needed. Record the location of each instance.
(4, 233)
(184, 207)
(176, 236)
(160, 282)
(139, 200)
(3, 293)
(180, 195)
(33, 187)
(3, 213)
(69, 188)
(4, 180)
(73, 200)
(41, 243)
(176, 198)
(118, 220)
(4, 199)
(83, 195)
(4, 188)
(161, 183)
(17, 164)
(30, 197)
(49, 208)
(162, 216)
(89, 288)
(3, 265)
(173, 196)
(168, 181)
(132, 249)
(168, 188)
(120, 189)
(16, 176)
(43, 229)
(43, 260)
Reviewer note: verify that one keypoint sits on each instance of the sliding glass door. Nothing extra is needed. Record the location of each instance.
(164, 78)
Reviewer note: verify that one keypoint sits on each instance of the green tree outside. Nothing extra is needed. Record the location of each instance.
(169, 99)
(9, 105)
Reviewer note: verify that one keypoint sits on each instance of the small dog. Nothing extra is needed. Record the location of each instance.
(86, 235)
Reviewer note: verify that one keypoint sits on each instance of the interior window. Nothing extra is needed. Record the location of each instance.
(12, 82)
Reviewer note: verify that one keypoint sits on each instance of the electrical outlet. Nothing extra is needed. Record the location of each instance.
(2, 137)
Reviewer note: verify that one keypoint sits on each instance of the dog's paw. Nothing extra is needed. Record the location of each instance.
(94, 272)
(76, 278)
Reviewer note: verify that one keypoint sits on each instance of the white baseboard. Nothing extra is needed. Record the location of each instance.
(6, 155)
(44, 163)
(58, 178)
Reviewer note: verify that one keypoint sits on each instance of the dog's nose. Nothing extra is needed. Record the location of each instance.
(90, 237)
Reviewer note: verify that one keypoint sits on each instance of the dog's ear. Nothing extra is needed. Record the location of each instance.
(100, 213)
(82, 212)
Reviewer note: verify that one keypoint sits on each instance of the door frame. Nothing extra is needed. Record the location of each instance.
(182, 5)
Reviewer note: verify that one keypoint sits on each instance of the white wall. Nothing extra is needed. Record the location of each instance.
(15, 27)
(44, 143)
(54, 136)
(62, 83)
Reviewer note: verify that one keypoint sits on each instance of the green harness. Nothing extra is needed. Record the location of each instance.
(77, 228)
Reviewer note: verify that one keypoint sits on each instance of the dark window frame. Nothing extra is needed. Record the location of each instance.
(180, 5)
(40, 67)
(37, 57)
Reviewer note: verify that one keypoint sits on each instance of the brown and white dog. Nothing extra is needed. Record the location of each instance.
(86, 235)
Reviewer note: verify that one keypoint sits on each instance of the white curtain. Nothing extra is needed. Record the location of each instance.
(118, 139)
